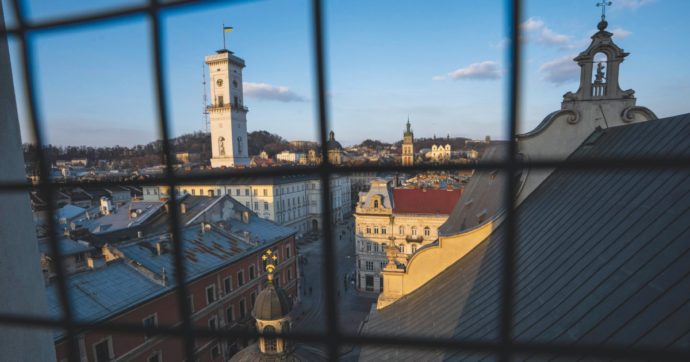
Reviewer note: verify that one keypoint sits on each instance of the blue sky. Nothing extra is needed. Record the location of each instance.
(442, 63)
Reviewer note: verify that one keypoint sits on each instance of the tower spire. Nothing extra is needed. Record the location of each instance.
(603, 4)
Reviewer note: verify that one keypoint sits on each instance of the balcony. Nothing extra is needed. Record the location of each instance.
(234, 107)
(414, 239)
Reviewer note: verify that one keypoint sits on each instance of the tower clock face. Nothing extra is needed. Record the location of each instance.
(219, 82)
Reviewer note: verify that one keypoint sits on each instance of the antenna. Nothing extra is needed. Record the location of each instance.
(204, 109)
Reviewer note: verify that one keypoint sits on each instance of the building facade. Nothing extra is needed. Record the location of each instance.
(440, 153)
(222, 246)
(403, 219)
(408, 146)
(292, 201)
(228, 114)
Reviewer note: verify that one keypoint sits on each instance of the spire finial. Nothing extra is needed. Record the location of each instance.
(271, 260)
(603, 4)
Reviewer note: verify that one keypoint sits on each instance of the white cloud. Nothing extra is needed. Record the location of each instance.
(271, 92)
(532, 24)
(631, 4)
(550, 37)
(560, 70)
(484, 70)
(543, 33)
(621, 33)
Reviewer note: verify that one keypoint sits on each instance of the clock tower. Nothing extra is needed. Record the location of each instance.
(227, 111)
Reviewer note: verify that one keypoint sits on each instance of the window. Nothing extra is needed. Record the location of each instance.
(414, 231)
(401, 247)
(155, 357)
(287, 252)
(289, 274)
(190, 302)
(227, 285)
(242, 309)
(368, 246)
(240, 278)
(103, 350)
(215, 352)
(256, 205)
(210, 193)
(427, 231)
(246, 192)
(193, 192)
(383, 230)
(237, 192)
(370, 265)
(265, 192)
(251, 272)
(255, 192)
(252, 299)
(210, 294)
(368, 229)
(401, 230)
(269, 342)
(414, 248)
(376, 230)
(229, 315)
(213, 323)
(150, 322)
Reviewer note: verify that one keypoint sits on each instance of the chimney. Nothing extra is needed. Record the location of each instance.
(159, 248)
(96, 262)
(140, 234)
(245, 217)
(183, 208)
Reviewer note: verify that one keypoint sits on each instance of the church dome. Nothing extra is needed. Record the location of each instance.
(332, 144)
(272, 303)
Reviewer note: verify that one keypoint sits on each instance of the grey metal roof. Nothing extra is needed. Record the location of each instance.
(483, 196)
(603, 258)
(67, 246)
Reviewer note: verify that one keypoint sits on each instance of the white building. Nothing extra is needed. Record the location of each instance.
(292, 157)
(228, 114)
(440, 153)
(293, 201)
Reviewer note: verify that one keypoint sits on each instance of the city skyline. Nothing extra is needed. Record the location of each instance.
(412, 56)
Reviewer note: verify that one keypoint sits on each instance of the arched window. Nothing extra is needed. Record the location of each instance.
(401, 247)
(414, 231)
(414, 248)
(401, 230)
(376, 204)
(427, 231)
(269, 342)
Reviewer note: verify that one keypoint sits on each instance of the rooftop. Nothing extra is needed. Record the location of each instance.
(602, 258)
(425, 201)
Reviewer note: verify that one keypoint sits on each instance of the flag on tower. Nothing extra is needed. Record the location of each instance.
(227, 29)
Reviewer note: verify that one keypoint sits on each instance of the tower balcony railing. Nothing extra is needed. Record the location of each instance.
(233, 106)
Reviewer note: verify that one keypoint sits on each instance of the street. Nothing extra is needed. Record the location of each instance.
(353, 307)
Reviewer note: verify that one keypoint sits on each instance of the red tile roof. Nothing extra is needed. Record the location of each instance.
(425, 201)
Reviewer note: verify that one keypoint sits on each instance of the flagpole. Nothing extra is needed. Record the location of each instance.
(223, 36)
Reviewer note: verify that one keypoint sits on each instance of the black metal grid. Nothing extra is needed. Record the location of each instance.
(505, 348)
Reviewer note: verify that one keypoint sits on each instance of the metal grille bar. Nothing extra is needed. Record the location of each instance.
(505, 348)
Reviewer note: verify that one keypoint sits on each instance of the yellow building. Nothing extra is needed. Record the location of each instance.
(405, 219)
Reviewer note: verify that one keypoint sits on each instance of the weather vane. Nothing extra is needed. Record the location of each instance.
(271, 260)
(603, 4)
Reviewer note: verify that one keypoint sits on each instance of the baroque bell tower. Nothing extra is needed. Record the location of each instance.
(227, 111)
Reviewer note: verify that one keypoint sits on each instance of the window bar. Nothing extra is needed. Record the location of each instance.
(508, 277)
(325, 169)
(45, 185)
(178, 260)
(505, 347)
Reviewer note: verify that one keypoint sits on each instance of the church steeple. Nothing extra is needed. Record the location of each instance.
(599, 68)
